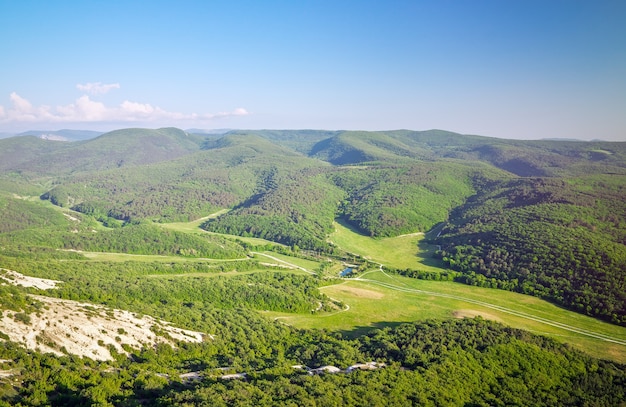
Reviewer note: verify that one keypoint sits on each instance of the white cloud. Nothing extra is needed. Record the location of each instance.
(20, 104)
(137, 108)
(23, 110)
(237, 112)
(97, 88)
(85, 110)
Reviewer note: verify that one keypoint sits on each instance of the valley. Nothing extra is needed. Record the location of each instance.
(468, 254)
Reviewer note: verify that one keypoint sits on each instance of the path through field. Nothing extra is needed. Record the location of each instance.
(520, 314)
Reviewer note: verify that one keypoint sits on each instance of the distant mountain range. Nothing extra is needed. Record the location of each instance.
(78, 135)
(62, 135)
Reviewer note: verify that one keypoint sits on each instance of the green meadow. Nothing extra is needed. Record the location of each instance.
(123, 257)
(402, 252)
(378, 299)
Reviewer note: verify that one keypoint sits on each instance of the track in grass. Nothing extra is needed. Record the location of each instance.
(520, 314)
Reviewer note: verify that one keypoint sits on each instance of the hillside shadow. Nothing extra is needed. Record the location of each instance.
(351, 227)
(365, 329)
(426, 253)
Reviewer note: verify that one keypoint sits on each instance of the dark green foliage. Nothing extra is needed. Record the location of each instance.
(561, 238)
(120, 148)
(12, 298)
(229, 171)
(522, 158)
(149, 239)
(19, 214)
(389, 201)
(497, 365)
(505, 236)
(297, 140)
(297, 211)
(564, 241)
(366, 147)
(52, 233)
(163, 289)
(465, 362)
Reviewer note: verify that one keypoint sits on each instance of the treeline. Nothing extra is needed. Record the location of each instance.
(141, 238)
(159, 193)
(560, 240)
(297, 210)
(442, 275)
(225, 174)
(457, 362)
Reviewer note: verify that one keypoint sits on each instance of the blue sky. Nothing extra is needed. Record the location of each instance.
(514, 69)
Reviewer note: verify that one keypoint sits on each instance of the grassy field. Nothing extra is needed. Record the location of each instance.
(402, 252)
(379, 300)
(194, 225)
(287, 261)
(232, 273)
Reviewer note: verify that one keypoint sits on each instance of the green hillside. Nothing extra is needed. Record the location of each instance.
(295, 210)
(382, 183)
(392, 200)
(225, 173)
(522, 158)
(564, 240)
(418, 209)
(21, 154)
(120, 148)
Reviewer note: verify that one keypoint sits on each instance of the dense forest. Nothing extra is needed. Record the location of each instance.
(561, 240)
(543, 218)
(465, 362)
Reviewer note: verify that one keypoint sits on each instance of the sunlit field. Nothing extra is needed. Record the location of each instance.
(407, 251)
(370, 304)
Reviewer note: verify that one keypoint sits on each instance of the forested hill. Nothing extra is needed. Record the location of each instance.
(542, 217)
(120, 148)
(142, 146)
(523, 158)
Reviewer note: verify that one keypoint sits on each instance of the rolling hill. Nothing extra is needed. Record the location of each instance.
(288, 187)
(114, 222)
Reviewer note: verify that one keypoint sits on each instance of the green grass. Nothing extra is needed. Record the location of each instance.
(289, 261)
(403, 299)
(194, 225)
(232, 273)
(377, 299)
(402, 252)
